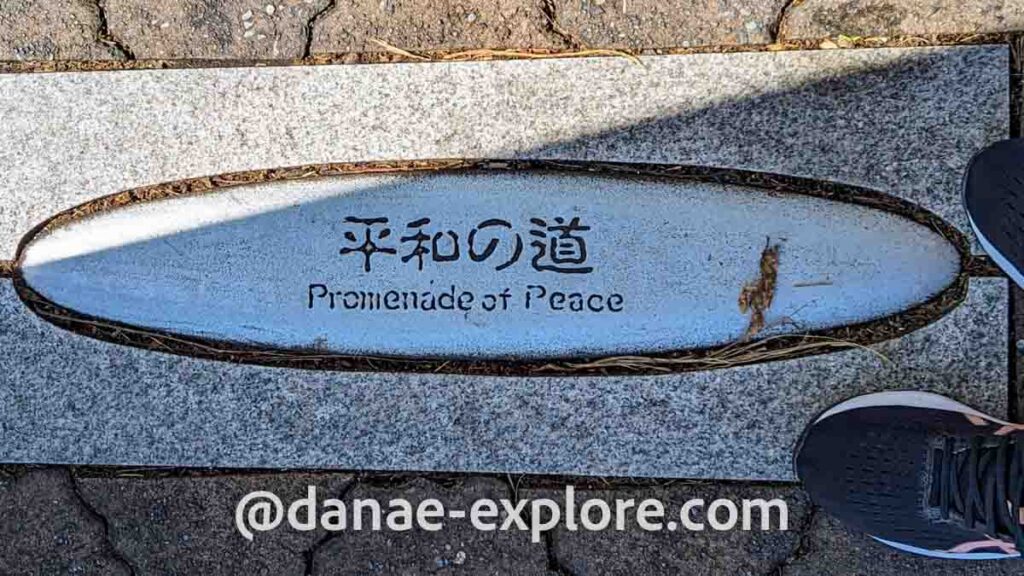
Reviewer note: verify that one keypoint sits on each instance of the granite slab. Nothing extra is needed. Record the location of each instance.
(488, 263)
(905, 121)
(65, 398)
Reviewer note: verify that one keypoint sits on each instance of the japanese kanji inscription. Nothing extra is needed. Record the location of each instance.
(487, 263)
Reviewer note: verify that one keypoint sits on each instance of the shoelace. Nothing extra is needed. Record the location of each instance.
(982, 482)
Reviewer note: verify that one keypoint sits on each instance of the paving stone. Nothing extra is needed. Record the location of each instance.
(903, 121)
(638, 24)
(682, 552)
(186, 525)
(213, 29)
(832, 550)
(457, 548)
(46, 529)
(821, 18)
(65, 398)
(441, 25)
(51, 30)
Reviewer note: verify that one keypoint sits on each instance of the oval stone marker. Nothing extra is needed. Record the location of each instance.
(488, 264)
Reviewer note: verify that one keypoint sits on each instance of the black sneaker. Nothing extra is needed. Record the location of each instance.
(919, 472)
(994, 198)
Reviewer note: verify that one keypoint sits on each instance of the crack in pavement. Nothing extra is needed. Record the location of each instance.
(309, 554)
(800, 550)
(554, 563)
(775, 32)
(550, 12)
(95, 513)
(307, 50)
(104, 36)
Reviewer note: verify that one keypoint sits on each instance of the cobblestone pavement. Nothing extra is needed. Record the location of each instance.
(291, 29)
(59, 520)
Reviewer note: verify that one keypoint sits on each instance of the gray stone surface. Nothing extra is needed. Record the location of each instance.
(66, 398)
(682, 552)
(186, 525)
(457, 548)
(350, 26)
(213, 29)
(905, 121)
(260, 264)
(821, 18)
(1017, 86)
(45, 528)
(637, 24)
(51, 30)
(830, 549)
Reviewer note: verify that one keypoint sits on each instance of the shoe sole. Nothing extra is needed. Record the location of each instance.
(907, 398)
(993, 197)
(913, 399)
(946, 555)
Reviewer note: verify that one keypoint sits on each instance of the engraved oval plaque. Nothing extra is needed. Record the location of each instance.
(530, 262)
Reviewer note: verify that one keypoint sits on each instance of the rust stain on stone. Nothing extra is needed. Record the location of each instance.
(757, 295)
